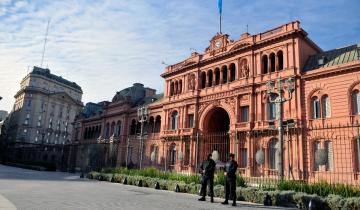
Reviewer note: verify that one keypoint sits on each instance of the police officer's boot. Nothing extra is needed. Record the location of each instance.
(234, 203)
(212, 199)
(201, 199)
(225, 202)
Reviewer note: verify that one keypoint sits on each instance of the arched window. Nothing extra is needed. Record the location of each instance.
(273, 158)
(355, 102)
(224, 74)
(217, 76)
(329, 149)
(118, 128)
(174, 120)
(210, 78)
(326, 106)
(357, 153)
(315, 107)
(316, 147)
(176, 89)
(265, 66)
(151, 125)
(180, 86)
(107, 130)
(172, 151)
(157, 124)
(272, 62)
(203, 79)
(112, 129)
(232, 72)
(280, 60)
(133, 127)
(171, 88)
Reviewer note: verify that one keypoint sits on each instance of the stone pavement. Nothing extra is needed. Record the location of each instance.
(26, 189)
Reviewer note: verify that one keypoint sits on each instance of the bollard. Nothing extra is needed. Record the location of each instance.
(267, 200)
(312, 205)
(140, 184)
(125, 181)
(177, 188)
(157, 186)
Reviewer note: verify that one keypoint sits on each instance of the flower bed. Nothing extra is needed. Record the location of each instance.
(286, 198)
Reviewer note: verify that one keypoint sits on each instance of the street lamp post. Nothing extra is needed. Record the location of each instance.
(276, 91)
(143, 113)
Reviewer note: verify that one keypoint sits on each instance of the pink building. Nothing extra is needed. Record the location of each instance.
(218, 101)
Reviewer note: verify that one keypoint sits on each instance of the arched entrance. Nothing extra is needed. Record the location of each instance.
(215, 135)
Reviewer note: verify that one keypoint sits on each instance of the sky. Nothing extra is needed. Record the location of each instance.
(107, 45)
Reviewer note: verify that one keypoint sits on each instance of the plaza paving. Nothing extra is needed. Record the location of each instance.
(26, 189)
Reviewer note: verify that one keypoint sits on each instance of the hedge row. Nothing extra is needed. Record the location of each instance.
(155, 173)
(250, 194)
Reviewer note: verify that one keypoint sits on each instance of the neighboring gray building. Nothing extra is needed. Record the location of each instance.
(3, 115)
(44, 109)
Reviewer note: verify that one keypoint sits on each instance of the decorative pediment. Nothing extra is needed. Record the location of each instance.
(240, 46)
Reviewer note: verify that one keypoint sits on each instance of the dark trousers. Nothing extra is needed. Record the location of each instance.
(204, 182)
(230, 188)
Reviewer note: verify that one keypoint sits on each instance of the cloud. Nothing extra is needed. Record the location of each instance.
(112, 44)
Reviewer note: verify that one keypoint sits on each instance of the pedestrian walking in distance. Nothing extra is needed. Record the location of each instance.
(207, 170)
(230, 180)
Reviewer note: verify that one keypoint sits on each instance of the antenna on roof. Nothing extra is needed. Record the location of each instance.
(163, 63)
(247, 28)
(46, 34)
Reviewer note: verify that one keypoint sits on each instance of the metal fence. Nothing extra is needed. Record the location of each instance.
(341, 144)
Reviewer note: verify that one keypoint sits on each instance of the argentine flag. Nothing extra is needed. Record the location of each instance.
(220, 6)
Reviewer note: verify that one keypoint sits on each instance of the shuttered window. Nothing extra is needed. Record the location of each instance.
(326, 106)
(273, 147)
(315, 107)
(355, 102)
(329, 148)
(316, 147)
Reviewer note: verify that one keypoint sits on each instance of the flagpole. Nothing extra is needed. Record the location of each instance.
(220, 23)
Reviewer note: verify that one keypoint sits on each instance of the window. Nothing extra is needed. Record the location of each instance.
(217, 76)
(171, 88)
(203, 79)
(157, 124)
(172, 154)
(118, 128)
(316, 148)
(273, 159)
(326, 106)
(232, 72)
(272, 109)
(224, 74)
(329, 149)
(107, 130)
(315, 107)
(29, 103)
(244, 114)
(355, 99)
(272, 62)
(174, 120)
(280, 60)
(243, 153)
(265, 66)
(357, 153)
(210, 78)
(190, 120)
(187, 153)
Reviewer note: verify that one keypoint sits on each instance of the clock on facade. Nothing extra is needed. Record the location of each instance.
(218, 44)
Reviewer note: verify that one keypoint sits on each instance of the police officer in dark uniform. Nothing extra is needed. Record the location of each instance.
(230, 180)
(207, 170)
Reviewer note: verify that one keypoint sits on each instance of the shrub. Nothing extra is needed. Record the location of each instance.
(352, 203)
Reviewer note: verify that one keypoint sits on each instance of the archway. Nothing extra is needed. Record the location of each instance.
(216, 121)
(215, 135)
